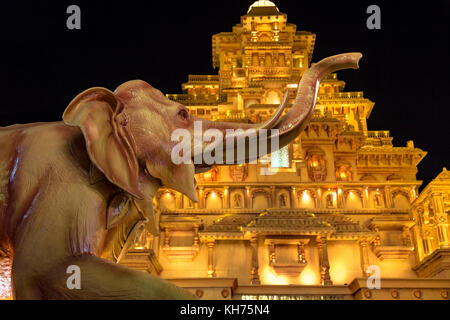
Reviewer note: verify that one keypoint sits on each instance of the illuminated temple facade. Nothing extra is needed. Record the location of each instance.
(337, 205)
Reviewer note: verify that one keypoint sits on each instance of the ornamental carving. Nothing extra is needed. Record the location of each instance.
(316, 164)
(209, 176)
(238, 173)
(344, 170)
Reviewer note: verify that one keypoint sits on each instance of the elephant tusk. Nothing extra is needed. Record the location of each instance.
(275, 118)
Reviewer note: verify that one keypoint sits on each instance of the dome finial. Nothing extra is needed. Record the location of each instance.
(262, 3)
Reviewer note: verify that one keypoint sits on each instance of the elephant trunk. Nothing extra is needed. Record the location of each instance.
(287, 127)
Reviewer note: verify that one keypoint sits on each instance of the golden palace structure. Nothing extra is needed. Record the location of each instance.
(334, 211)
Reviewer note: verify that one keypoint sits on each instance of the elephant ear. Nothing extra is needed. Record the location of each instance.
(97, 112)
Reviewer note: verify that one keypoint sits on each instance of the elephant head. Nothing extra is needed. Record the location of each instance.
(128, 131)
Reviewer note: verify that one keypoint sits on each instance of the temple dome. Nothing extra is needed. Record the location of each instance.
(263, 4)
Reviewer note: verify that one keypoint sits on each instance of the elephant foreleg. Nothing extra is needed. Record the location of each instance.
(101, 279)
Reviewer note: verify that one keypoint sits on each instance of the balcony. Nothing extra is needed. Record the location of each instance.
(189, 99)
(231, 116)
(377, 134)
(260, 72)
(203, 78)
(341, 95)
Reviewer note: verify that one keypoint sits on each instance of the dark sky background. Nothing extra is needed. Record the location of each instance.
(405, 68)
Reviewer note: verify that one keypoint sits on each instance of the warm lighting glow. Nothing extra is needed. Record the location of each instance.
(305, 196)
(339, 271)
(270, 277)
(315, 163)
(213, 194)
(308, 276)
(207, 175)
(343, 175)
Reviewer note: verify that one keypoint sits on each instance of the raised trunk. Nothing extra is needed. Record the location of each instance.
(288, 127)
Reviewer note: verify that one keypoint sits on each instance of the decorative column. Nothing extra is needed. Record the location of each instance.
(427, 245)
(210, 244)
(179, 200)
(273, 198)
(254, 273)
(366, 203)
(201, 203)
(272, 255)
(388, 197)
(301, 252)
(197, 204)
(406, 236)
(443, 234)
(248, 198)
(196, 238)
(364, 253)
(441, 219)
(314, 199)
(318, 200)
(412, 194)
(324, 264)
(226, 194)
(166, 237)
(294, 202)
(339, 198)
(363, 202)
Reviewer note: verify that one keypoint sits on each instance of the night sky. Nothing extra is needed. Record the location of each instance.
(405, 69)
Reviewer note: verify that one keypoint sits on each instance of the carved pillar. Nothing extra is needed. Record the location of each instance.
(272, 255)
(318, 201)
(179, 200)
(294, 202)
(443, 234)
(388, 197)
(364, 253)
(273, 198)
(363, 202)
(211, 271)
(254, 273)
(406, 236)
(196, 238)
(197, 204)
(166, 237)
(339, 198)
(201, 201)
(441, 219)
(366, 203)
(226, 194)
(248, 198)
(412, 194)
(427, 245)
(301, 252)
(324, 264)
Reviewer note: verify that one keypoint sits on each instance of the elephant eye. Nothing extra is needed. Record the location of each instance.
(183, 114)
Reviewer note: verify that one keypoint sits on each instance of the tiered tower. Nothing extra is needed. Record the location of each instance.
(334, 208)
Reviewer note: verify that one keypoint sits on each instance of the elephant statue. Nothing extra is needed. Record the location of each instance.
(74, 192)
